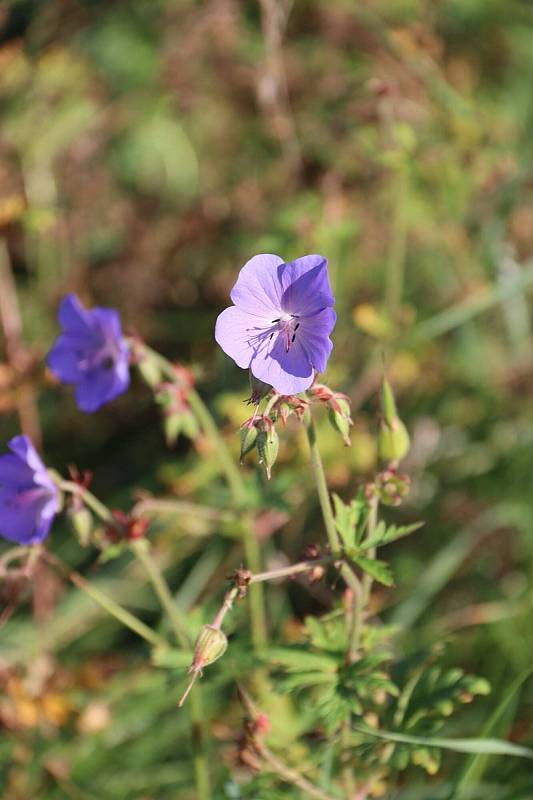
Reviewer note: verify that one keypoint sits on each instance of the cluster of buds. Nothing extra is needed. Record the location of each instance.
(389, 487)
(393, 438)
(338, 408)
(178, 417)
(260, 432)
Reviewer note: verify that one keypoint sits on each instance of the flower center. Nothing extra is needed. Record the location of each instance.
(287, 325)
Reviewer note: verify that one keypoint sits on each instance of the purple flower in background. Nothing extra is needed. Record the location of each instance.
(29, 499)
(90, 353)
(280, 324)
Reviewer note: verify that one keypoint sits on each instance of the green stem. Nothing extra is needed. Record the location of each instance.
(161, 588)
(321, 486)
(91, 501)
(371, 528)
(237, 488)
(114, 609)
(353, 621)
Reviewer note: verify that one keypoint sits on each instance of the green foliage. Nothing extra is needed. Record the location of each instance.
(143, 159)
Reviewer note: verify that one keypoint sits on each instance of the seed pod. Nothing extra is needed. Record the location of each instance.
(210, 645)
(268, 447)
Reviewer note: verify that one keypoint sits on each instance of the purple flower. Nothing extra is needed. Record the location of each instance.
(29, 499)
(280, 324)
(90, 353)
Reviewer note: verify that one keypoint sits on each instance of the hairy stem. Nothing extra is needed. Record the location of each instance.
(322, 487)
(200, 761)
(353, 621)
(236, 486)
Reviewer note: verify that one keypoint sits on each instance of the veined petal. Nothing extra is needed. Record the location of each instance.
(305, 286)
(258, 288)
(241, 334)
(288, 371)
(313, 335)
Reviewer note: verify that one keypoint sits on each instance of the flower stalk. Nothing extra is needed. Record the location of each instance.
(236, 486)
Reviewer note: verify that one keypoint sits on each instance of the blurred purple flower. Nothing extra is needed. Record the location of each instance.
(91, 353)
(29, 499)
(280, 324)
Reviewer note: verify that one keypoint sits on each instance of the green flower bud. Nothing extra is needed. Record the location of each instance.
(339, 416)
(268, 447)
(388, 403)
(81, 520)
(393, 438)
(150, 371)
(179, 422)
(393, 441)
(248, 435)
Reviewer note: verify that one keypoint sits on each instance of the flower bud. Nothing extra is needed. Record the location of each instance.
(248, 433)
(81, 520)
(393, 438)
(391, 487)
(268, 447)
(210, 645)
(388, 403)
(339, 416)
(150, 370)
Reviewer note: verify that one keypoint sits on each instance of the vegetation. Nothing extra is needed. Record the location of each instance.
(147, 151)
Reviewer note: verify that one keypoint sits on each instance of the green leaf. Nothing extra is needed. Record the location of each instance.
(384, 535)
(299, 658)
(378, 570)
(305, 680)
(499, 720)
(495, 747)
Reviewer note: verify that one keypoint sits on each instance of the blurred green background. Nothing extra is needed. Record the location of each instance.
(147, 150)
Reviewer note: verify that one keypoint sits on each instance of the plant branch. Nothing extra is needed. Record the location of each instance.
(236, 486)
